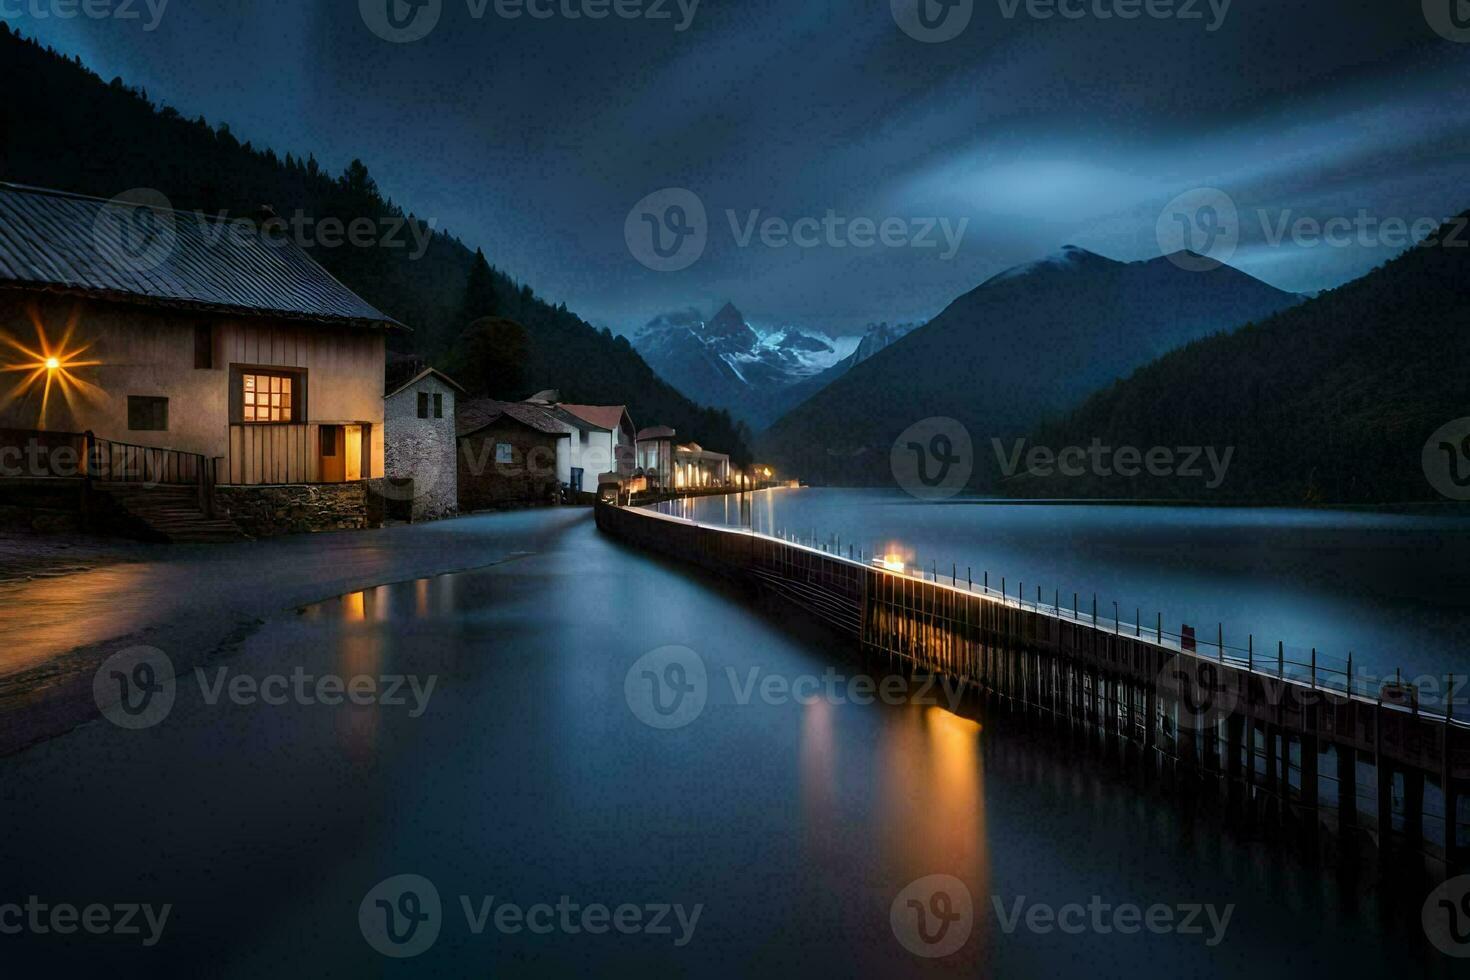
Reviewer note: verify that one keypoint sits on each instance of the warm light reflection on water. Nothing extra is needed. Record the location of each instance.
(79, 608)
(932, 803)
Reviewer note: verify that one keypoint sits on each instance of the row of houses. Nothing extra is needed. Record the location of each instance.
(465, 454)
(145, 346)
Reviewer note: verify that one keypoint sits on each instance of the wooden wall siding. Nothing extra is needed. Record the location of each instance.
(261, 454)
(151, 353)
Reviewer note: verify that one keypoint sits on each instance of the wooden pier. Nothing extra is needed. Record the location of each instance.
(1313, 758)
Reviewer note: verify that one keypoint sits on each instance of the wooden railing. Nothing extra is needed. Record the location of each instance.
(43, 454)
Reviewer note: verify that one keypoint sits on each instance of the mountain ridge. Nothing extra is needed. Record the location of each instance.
(1024, 344)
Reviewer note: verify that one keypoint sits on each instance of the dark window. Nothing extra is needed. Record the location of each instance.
(423, 404)
(147, 413)
(438, 406)
(329, 440)
(203, 347)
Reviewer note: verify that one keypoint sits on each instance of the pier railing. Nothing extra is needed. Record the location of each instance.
(1258, 724)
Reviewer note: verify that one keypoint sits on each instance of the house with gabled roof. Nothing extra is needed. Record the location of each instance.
(420, 448)
(177, 348)
(508, 454)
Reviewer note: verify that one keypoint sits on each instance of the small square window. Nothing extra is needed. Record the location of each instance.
(503, 453)
(147, 413)
(438, 406)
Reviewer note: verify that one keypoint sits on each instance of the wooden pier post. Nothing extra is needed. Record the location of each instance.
(1347, 787)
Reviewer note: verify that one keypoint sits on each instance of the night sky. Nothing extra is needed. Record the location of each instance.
(534, 138)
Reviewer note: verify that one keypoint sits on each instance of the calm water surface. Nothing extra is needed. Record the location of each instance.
(794, 824)
(1392, 589)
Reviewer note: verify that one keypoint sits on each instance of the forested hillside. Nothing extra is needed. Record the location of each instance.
(62, 126)
(1330, 401)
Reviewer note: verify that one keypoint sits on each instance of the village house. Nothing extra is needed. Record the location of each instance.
(603, 441)
(419, 443)
(508, 454)
(185, 351)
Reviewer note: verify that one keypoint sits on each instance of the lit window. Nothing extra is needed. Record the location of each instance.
(266, 398)
(503, 453)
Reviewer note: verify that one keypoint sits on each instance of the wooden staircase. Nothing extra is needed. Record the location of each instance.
(170, 513)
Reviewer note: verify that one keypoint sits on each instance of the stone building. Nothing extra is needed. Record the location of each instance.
(419, 444)
(507, 454)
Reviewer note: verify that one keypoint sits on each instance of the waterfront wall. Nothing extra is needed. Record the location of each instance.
(1314, 758)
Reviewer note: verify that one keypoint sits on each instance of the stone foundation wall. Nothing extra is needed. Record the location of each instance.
(269, 511)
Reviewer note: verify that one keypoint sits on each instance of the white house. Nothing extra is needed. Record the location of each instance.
(419, 444)
(603, 440)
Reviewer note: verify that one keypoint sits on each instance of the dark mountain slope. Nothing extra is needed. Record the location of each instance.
(1023, 345)
(1330, 401)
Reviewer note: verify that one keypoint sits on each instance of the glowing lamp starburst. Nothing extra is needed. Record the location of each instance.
(48, 366)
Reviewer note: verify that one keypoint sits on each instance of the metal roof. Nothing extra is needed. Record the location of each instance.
(138, 252)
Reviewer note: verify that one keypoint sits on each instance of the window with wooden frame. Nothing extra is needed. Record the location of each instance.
(268, 396)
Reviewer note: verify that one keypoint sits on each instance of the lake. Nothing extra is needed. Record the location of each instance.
(790, 819)
(1391, 589)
